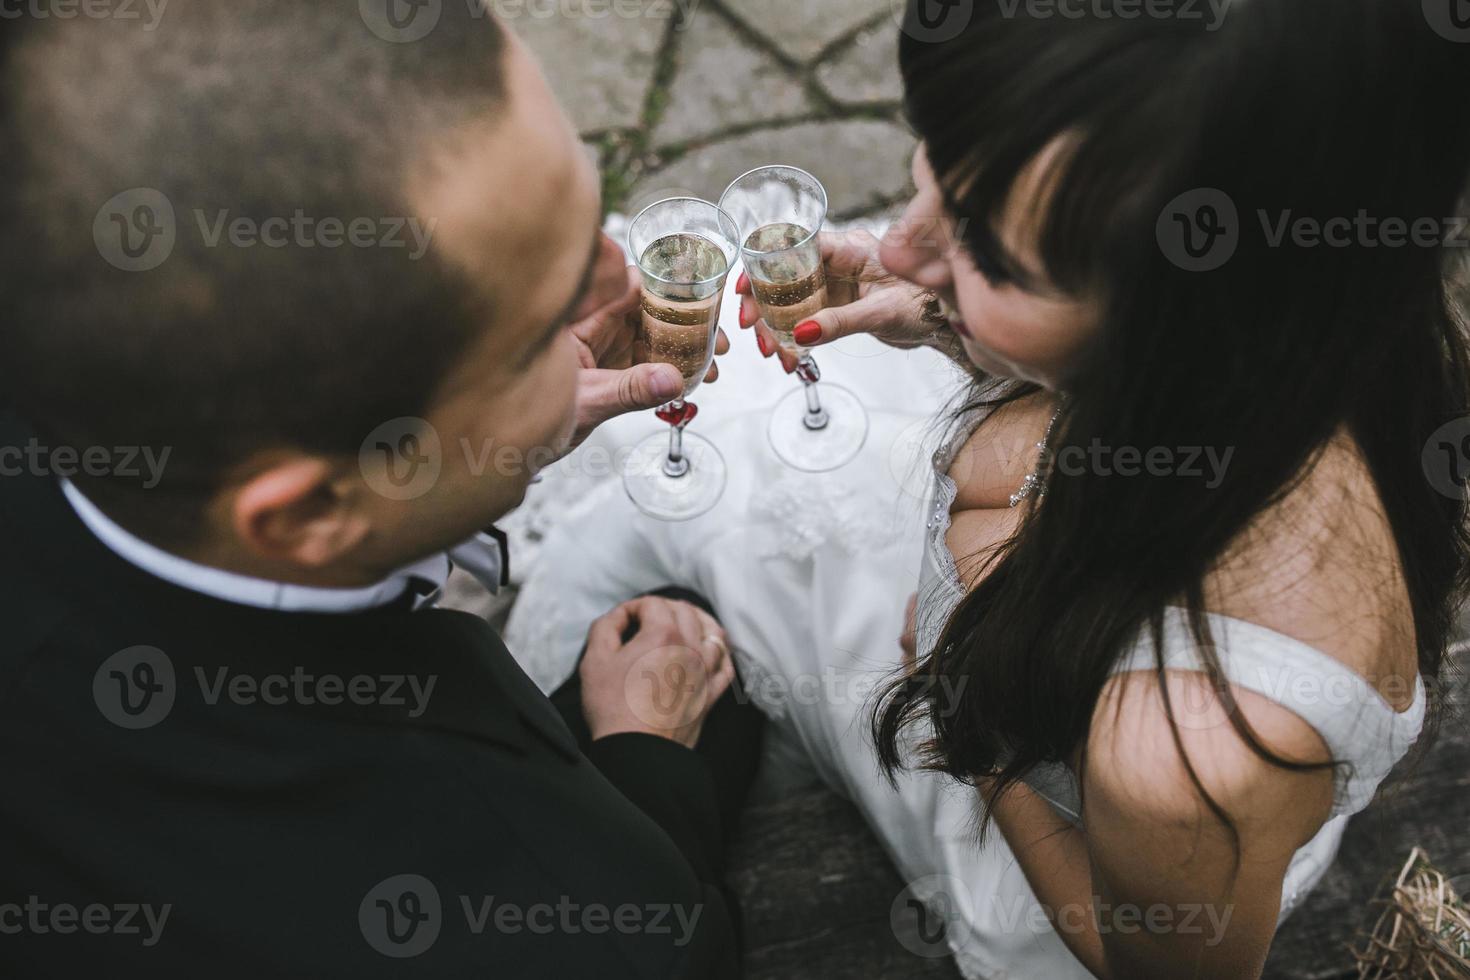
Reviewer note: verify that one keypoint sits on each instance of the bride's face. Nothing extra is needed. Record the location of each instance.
(1026, 330)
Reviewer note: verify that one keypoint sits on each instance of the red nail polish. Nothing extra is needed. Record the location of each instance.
(761, 342)
(807, 333)
(744, 320)
(742, 285)
(788, 368)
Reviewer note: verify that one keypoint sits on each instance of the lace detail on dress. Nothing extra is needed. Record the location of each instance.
(945, 491)
(533, 632)
(940, 587)
(569, 489)
(537, 621)
(814, 511)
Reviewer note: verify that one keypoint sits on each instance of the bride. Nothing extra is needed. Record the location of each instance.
(1181, 585)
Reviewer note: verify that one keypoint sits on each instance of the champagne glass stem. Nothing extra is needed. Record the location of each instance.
(676, 465)
(807, 371)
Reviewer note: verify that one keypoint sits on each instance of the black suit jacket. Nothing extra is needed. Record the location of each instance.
(193, 788)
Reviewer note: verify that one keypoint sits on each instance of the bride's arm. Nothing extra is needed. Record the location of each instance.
(1152, 888)
(1053, 855)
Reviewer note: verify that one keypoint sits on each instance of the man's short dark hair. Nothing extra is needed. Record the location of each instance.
(227, 109)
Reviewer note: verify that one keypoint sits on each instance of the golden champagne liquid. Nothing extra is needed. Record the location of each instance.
(790, 288)
(677, 326)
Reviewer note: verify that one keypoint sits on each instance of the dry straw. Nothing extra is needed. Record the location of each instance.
(1423, 930)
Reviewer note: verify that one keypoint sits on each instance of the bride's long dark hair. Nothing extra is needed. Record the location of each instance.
(1314, 109)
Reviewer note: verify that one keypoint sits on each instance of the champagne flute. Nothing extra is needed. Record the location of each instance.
(684, 248)
(779, 211)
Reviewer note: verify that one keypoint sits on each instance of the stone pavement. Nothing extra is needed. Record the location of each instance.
(682, 96)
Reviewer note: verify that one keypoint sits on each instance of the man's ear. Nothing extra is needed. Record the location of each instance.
(297, 510)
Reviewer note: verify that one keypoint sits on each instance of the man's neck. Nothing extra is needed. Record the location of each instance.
(264, 588)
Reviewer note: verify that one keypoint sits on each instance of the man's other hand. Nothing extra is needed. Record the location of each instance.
(664, 679)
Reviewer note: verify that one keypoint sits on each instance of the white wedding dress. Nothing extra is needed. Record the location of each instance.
(810, 574)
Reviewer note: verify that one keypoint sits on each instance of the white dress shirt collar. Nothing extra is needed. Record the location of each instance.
(243, 589)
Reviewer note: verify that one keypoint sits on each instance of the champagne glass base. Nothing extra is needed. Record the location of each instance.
(819, 450)
(670, 498)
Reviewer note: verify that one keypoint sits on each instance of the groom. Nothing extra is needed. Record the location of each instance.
(293, 313)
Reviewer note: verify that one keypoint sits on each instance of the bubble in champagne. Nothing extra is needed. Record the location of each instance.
(684, 259)
(776, 237)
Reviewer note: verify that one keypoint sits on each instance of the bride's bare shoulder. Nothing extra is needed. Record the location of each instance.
(1322, 566)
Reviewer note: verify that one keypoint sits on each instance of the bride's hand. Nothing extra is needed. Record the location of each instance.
(862, 297)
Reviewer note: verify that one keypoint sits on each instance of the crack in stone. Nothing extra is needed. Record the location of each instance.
(838, 45)
(628, 154)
